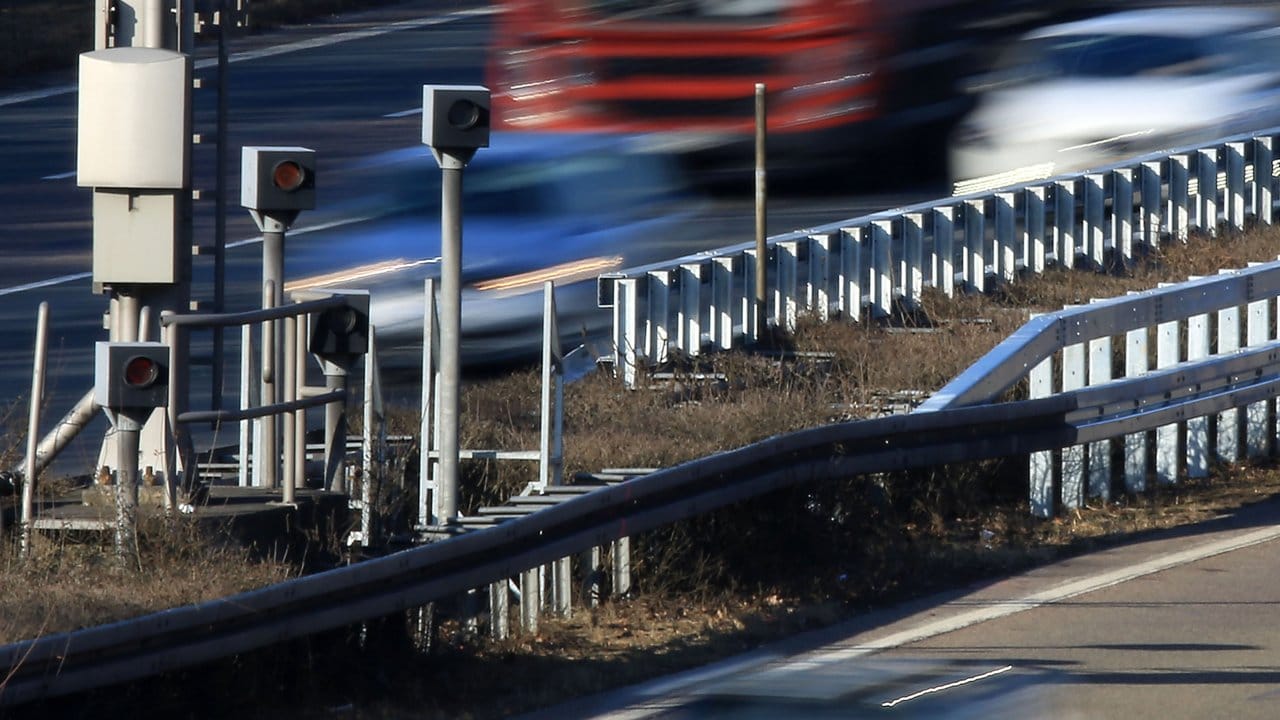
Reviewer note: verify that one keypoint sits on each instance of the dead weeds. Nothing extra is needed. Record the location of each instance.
(727, 581)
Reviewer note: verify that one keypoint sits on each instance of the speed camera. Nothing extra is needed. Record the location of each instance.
(455, 117)
(278, 179)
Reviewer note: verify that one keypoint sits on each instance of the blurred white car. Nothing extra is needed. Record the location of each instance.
(1083, 94)
(536, 207)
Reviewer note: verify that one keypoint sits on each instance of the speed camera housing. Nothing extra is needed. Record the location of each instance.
(278, 179)
(131, 375)
(455, 117)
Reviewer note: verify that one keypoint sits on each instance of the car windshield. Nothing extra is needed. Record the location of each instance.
(1109, 56)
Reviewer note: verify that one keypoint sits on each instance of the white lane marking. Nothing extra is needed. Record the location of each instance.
(404, 113)
(44, 93)
(61, 279)
(60, 176)
(653, 698)
(327, 40)
(943, 688)
(303, 231)
(45, 283)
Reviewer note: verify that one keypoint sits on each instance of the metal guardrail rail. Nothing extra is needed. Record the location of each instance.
(93, 657)
(1224, 322)
(868, 265)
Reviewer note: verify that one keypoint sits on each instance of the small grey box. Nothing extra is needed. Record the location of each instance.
(277, 178)
(131, 375)
(455, 117)
(341, 330)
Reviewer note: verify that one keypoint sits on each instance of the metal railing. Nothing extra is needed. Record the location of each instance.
(82, 659)
(291, 408)
(871, 264)
(1210, 334)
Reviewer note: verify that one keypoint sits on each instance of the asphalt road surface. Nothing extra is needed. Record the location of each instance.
(1179, 625)
(347, 88)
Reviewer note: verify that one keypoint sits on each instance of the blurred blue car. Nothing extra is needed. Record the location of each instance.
(536, 207)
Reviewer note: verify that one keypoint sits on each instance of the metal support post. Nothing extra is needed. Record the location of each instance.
(33, 426)
(530, 599)
(622, 567)
(300, 415)
(289, 478)
(761, 284)
(272, 296)
(450, 336)
(591, 576)
(499, 610)
(128, 430)
(335, 429)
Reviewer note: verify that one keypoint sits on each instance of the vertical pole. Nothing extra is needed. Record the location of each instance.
(427, 503)
(248, 388)
(622, 567)
(101, 24)
(761, 289)
(1041, 465)
(335, 429)
(33, 426)
(450, 336)
(225, 23)
(126, 321)
(268, 455)
(152, 23)
(128, 430)
(300, 415)
(530, 599)
(499, 610)
(289, 478)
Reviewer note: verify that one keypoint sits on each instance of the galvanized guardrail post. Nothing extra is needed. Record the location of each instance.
(1098, 219)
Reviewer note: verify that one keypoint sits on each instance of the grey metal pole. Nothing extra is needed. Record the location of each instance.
(183, 447)
(450, 336)
(76, 419)
(129, 429)
(300, 415)
(33, 426)
(761, 288)
(427, 496)
(101, 23)
(225, 25)
(335, 430)
(272, 296)
(152, 23)
(290, 477)
(129, 305)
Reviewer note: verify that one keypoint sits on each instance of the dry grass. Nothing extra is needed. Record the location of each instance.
(726, 581)
(72, 580)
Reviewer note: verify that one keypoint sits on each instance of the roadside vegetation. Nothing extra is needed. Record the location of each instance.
(707, 588)
(712, 586)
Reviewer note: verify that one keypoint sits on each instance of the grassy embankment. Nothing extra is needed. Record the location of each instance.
(721, 583)
(707, 588)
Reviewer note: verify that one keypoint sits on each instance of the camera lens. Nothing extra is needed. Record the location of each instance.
(464, 114)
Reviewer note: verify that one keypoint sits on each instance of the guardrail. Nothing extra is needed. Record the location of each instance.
(93, 657)
(1223, 323)
(870, 264)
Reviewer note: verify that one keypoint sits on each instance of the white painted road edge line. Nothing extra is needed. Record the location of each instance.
(655, 702)
(313, 43)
